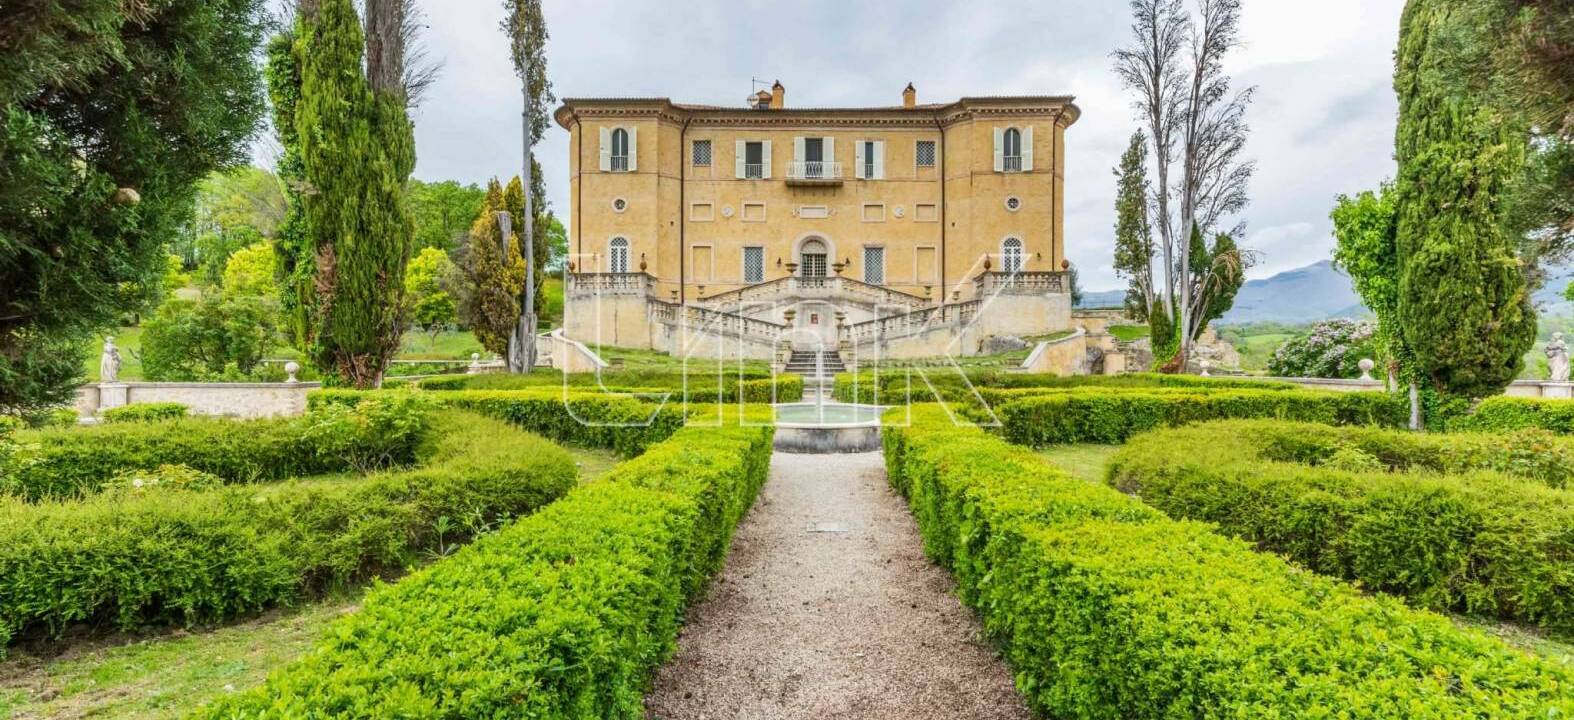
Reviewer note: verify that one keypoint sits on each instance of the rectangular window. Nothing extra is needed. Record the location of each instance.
(753, 264)
(926, 153)
(701, 153)
(869, 159)
(874, 265)
(754, 160)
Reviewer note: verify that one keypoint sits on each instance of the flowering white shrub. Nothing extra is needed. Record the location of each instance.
(1332, 349)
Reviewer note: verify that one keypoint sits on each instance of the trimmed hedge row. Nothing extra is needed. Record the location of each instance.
(1112, 417)
(1482, 542)
(895, 385)
(1502, 413)
(613, 422)
(71, 462)
(164, 554)
(564, 614)
(648, 378)
(1107, 609)
(145, 412)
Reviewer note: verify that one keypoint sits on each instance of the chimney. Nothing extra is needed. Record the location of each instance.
(909, 97)
(760, 100)
(778, 96)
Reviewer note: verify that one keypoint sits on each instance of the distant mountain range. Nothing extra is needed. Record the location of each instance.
(1317, 292)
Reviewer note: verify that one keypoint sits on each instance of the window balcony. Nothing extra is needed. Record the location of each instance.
(1012, 163)
(753, 171)
(620, 163)
(814, 172)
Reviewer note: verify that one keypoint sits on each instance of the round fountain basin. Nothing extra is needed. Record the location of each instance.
(835, 428)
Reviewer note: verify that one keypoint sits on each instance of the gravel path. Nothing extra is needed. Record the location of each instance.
(828, 609)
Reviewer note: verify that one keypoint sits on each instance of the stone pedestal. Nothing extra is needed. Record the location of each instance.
(113, 395)
(1562, 390)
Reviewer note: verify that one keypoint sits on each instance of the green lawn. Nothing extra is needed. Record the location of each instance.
(592, 462)
(1085, 462)
(164, 676)
(1129, 333)
(1255, 350)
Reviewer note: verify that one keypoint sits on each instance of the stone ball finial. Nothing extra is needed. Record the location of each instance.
(1366, 366)
(291, 369)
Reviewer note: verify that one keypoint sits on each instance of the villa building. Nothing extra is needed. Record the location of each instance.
(890, 229)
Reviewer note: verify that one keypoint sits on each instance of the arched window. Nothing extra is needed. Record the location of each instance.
(811, 258)
(620, 149)
(1012, 149)
(1011, 255)
(618, 255)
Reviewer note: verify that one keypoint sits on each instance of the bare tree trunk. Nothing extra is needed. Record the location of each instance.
(1415, 407)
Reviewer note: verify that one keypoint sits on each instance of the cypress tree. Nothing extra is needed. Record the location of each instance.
(1133, 232)
(1463, 306)
(356, 151)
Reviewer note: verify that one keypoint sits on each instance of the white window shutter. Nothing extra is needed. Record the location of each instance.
(879, 160)
(606, 149)
(765, 160)
(1000, 149)
(797, 150)
(829, 152)
(858, 160)
(1027, 149)
(633, 149)
(740, 156)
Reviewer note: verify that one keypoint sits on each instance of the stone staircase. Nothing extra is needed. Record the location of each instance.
(803, 362)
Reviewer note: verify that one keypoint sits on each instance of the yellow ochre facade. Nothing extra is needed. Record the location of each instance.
(910, 197)
(901, 231)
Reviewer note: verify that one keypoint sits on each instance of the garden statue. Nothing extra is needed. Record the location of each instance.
(1558, 358)
(109, 362)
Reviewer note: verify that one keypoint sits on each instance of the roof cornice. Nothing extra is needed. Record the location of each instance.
(1062, 106)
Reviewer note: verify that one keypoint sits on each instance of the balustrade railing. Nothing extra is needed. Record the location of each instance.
(716, 321)
(1019, 283)
(955, 315)
(818, 287)
(636, 283)
(814, 170)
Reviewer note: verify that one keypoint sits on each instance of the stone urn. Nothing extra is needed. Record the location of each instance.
(789, 315)
(642, 265)
(792, 268)
(838, 267)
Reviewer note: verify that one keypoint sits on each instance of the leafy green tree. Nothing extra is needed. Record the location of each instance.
(1133, 233)
(1463, 304)
(1367, 250)
(490, 303)
(1217, 273)
(442, 212)
(556, 244)
(251, 272)
(111, 113)
(356, 150)
(217, 337)
(431, 306)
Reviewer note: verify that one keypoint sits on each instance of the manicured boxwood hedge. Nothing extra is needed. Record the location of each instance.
(1489, 537)
(164, 555)
(1111, 417)
(1107, 609)
(898, 386)
(72, 462)
(1514, 413)
(145, 412)
(565, 614)
(599, 420)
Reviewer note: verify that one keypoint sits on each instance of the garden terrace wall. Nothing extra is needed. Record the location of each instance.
(566, 613)
(167, 555)
(899, 386)
(75, 461)
(1112, 417)
(1107, 609)
(1490, 537)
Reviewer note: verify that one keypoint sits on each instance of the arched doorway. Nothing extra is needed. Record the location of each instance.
(811, 258)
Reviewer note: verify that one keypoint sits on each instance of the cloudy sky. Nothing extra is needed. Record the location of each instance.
(1322, 122)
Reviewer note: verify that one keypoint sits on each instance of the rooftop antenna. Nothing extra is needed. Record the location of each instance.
(756, 84)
